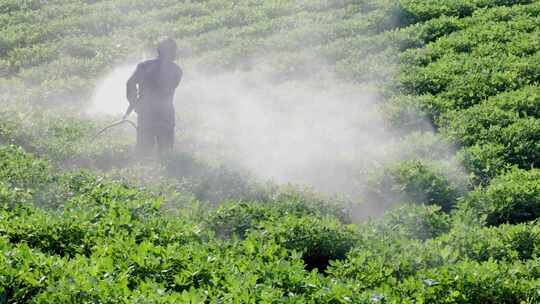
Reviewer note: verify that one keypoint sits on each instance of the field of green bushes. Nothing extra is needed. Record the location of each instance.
(82, 221)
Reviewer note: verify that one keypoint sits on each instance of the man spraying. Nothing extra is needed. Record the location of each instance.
(150, 92)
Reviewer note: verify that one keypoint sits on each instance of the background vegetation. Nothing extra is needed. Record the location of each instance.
(81, 221)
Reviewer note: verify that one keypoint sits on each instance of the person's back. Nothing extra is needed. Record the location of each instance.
(150, 90)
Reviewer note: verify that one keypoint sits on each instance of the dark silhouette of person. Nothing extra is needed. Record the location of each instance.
(150, 92)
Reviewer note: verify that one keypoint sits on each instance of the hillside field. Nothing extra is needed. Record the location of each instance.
(447, 213)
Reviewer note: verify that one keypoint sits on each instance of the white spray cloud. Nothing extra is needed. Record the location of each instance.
(317, 132)
(109, 97)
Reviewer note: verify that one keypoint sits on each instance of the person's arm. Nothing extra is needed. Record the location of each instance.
(132, 90)
(179, 76)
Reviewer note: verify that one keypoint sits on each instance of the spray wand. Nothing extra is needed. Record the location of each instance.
(120, 122)
(129, 110)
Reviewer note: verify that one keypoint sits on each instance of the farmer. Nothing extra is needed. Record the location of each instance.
(150, 92)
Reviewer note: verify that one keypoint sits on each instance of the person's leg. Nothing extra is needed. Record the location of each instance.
(145, 141)
(165, 140)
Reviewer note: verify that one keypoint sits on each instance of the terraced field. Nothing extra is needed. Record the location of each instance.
(440, 202)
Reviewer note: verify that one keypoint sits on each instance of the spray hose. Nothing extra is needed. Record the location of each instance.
(120, 122)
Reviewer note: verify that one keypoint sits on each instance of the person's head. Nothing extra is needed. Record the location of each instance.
(167, 49)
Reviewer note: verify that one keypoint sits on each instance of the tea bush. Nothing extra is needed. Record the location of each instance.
(510, 198)
(417, 181)
(319, 240)
(473, 282)
(415, 222)
(502, 243)
(81, 221)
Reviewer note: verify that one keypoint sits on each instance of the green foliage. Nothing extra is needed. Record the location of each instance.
(415, 222)
(459, 266)
(484, 162)
(483, 123)
(237, 219)
(478, 82)
(406, 113)
(319, 239)
(20, 170)
(418, 11)
(296, 225)
(210, 183)
(135, 233)
(522, 140)
(473, 282)
(374, 262)
(510, 198)
(426, 146)
(419, 182)
(502, 243)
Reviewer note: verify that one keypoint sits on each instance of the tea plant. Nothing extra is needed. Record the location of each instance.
(81, 221)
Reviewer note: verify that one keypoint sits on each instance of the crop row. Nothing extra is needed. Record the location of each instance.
(478, 84)
(72, 236)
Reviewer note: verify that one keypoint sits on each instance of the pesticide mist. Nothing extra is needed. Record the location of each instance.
(317, 133)
(275, 122)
